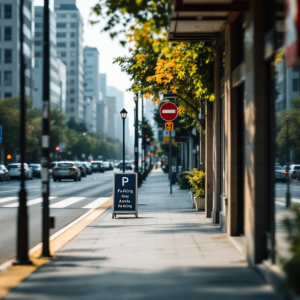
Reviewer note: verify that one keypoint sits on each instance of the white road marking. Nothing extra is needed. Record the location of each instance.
(96, 203)
(30, 202)
(9, 191)
(296, 200)
(8, 199)
(280, 203)
(169, 111)
(66, 202)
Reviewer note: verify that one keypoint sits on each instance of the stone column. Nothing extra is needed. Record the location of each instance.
(208, 157)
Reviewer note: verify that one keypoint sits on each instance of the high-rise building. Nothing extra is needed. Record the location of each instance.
(111, 117)
(9, 45)
(114, 92)
(91, 85)
(102, 110)
(57, 68)
(69, 26)
(103, 87)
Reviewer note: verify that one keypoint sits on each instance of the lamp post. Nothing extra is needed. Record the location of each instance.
(22, 225)
(136, 134)
(123, 113)
(288, 194)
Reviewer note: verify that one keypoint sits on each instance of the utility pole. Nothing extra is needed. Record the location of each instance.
(143, 140)
(170, 160)
(22, 226)
(288, 194)
(136, 138)
(46, 134)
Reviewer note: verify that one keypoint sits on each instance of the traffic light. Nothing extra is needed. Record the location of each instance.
(146, 135)
(57, 148)
(8, 156)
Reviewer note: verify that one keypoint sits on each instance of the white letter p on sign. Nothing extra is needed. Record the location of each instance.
(124, 180)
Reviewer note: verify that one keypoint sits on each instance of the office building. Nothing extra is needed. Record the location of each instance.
(102, 112)
(69, 26)
(9, 44)
(111, 117)
(114, 92)
(57, 70)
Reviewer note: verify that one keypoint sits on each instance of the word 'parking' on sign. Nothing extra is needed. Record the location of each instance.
(125, 199)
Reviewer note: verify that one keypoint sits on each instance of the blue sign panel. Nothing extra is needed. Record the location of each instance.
(160, 135)
(0, 134)
(148, 147)
(125, 200)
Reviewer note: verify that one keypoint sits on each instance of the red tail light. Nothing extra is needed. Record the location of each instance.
(284, 172)
(293, 171)
(55, 169)
(73, 169)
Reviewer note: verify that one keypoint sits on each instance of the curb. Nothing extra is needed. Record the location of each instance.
(11, 276)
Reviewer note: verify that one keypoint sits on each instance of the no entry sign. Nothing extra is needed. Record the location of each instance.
(168, 111)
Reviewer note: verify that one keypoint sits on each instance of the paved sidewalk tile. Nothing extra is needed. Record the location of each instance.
(170, 252)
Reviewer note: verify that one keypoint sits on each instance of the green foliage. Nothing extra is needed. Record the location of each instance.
(291, 266)
(183, 180)
(197, 180)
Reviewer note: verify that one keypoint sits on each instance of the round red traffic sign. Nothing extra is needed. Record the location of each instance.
(168, 111)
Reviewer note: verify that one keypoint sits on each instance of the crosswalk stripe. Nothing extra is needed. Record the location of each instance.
(30, 202)
(66, 202)
(96, 203)
(6, 199)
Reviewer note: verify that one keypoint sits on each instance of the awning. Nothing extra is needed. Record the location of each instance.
(201, 20)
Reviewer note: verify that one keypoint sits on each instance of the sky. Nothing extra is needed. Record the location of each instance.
(108, 49)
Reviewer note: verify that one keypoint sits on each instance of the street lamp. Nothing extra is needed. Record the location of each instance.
(123, 113)
(288, 194)
(136, 135)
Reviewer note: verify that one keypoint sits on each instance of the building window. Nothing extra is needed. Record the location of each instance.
(38, 43)
(61, 34)
(7, 33)
(7, 78)
(38, 25)
(38, 15)
(72, 44)
(72, 54)
(72, 34)
(7, 11)
(295, 85)
(7, 95)
(72, 109)
(61, 25)
(73, 25)
(72, 63)
(38, 54)
(72, 72)
(72, 91)
(38, 34)
(61, 44)
(73, 16)
(72, 82)
(90, 54)
(62, 16)
(63, 54)
(7, 55)
(72, 100)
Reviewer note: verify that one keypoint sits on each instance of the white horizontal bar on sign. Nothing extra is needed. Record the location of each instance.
(96, 203)
(6, 199)
(30, 202)
(169, 111)
(66, 202)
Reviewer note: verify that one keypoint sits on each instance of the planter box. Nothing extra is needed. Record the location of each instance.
(199, 203)
(192, 200)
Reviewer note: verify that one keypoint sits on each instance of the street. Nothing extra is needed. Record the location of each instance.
(280, 192)
(69, 201)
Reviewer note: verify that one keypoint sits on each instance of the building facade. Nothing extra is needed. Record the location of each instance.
(111, 117)
(9, 54)
(102, 110)
(57, 71)
(69, 25)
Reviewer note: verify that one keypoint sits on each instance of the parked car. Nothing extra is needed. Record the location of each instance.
(280, 174)
(88, 167)
(82, 168)
(4, 173)
(111, 165)
(128, 166)
(293, 171)
(15, 171)
(97, 166)
(106, 165)
(51, 166)
(116, 163)
(66, 170)
(36, 170)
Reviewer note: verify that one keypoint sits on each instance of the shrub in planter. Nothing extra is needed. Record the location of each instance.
(183, 181)
(196, 179)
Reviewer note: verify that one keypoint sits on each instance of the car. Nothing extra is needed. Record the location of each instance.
(4, 173)
(15, 171)
(116, 163)
(106, 165)
(128, 166)
(36, 170)
(293, 171)
(51, 166)
(88, 167)
(280, 173)
(97, 166)
(111, 165)
(66, 170)
(81, 168)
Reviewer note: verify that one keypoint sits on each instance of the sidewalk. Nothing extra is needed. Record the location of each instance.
(170, 252)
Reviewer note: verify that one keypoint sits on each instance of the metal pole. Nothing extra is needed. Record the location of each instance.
(288, 194)
(136, 145)
(123, 145)
(46, 133)
(22, 226)
(143, 139)
(170, 161)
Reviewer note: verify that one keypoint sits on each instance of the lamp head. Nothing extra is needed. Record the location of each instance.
(123, 114)
(135, 98)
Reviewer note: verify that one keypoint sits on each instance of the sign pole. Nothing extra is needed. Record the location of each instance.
(170, 161)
